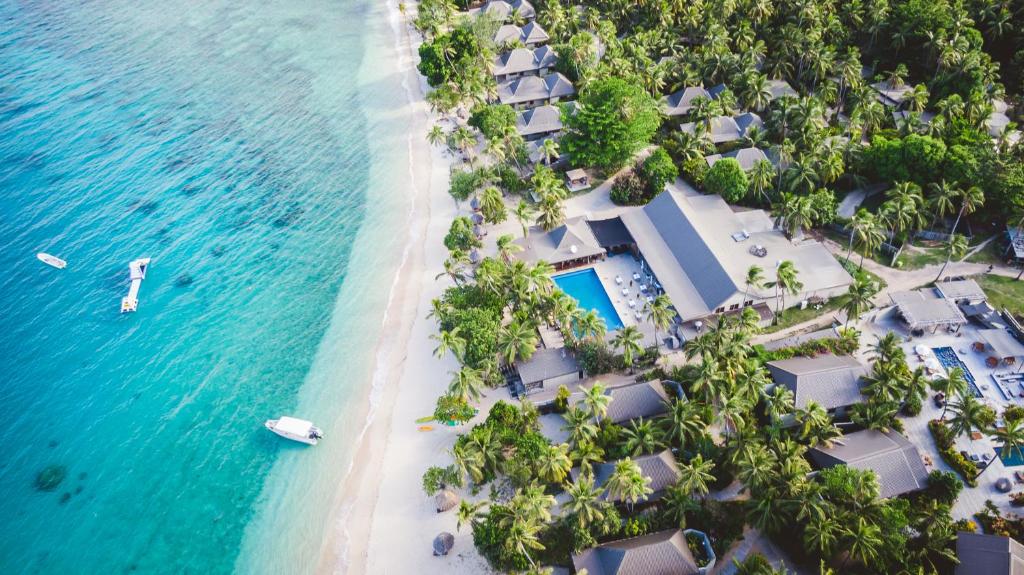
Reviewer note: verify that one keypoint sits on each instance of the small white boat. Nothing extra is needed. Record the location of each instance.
(136, 273)
(52, 260)
(295, 429)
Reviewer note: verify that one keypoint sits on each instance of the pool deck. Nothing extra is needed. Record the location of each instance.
(624, 265)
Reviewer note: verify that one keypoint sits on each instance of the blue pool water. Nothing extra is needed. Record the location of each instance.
(585, 287)
(231, 143)
(1014, 459)
(948, 358)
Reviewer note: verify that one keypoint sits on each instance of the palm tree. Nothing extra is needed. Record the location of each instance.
(862, 541)
(779, 402)
(436, 135)
(754, 279)
(468, 513)
(628, 340)
(548, 150)
(1011, 441)
(660, 314)
(579, 425)
(956, 248)
(507, 246)
(969, 415)
(821, 534)
(466, 384)
(627, 483)
(970, 200)
(795, 213)
(468, 463)
(554, 465)
(449, 340)
(860, 293)
(590, 325)
(696, 477)
(816, 425)
(596, 401)
(491, 205)
(551, 214)
(677, 503)
(685, 424)
(953, 384)
(867, 234)
(786, 281)
(524, 213)
(455, 266)
(642, 438)
(585, 505)
(761, 176)
(517, 340)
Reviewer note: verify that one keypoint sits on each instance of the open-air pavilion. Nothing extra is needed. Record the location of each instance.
(1001, 347)
(961, 291)
(924, 309)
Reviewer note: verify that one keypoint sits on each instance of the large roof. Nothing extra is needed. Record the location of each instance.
(889, 95)
(569, 241)
(661, 468)
(646, 399)
(681, 102)
(699, 249)
(1002, 342)
(662, 553)
(895, 460)
(610, 233)
(747, 157)
(503, 9)
(726, 128)
(925, 308)
(961, 289)
(530, 88)
(828, 380)
(539, 120)
(988, 554)
(781, 88)
(545, 364)
(520, 60)
(530, 34)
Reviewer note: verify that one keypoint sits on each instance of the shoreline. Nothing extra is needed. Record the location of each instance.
(348, 536)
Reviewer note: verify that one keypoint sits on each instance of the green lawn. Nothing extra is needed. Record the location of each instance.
(912, 258)
(1004, 292)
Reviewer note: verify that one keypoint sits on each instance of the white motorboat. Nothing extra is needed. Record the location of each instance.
(52, 260)
(136, 273)
(295, 429)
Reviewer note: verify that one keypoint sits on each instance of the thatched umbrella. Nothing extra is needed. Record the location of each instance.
(443, 543)
(445, 500)
(1003, 484)
(474, 256)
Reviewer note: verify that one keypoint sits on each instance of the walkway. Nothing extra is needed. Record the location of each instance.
(853, 200)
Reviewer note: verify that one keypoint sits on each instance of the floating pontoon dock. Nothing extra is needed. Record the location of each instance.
(137, 273)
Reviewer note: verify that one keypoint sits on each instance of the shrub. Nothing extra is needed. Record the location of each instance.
(727, 179)
(460, 235)
(1013, 413)
(695, 170)
(616, 119)
(462, 184)
(454, 409)
(943, 486)
(657, 170)
(562, 399)
(912, 406)
(628, 190)
(437, 478)
(596, 358)
(944, 441)
(1017, 499)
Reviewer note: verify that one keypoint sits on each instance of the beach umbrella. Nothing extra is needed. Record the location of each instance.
(1003, 484)
(445, 501)
(477, 219)
(443, 543)
(474, 256)
(475, 203)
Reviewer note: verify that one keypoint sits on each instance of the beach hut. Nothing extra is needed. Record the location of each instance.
(443, 543)
(445, 500)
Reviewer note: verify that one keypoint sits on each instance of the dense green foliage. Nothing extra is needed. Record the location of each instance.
(727, 179)
(448, 56)
(493, 121)
(460, 235)
(616, 119)
(657, 170)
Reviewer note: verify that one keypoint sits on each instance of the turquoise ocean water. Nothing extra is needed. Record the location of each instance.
(230, 142)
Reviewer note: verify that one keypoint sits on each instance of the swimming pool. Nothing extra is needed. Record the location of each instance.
(1014, 459)
(948, 358)
(585, 287)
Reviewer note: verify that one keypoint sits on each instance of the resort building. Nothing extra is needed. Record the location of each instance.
(892, 457)
(539, 122)
(639, 400)
(722, 129)
(681, 102)
(747, 157)
(927, 309)
(661, 553)
(1000, 347)
(536, 154)
(504, 10)
(547, 368)
(833, 382)
(569, 245)
(531, 91)
(530, 35)
(781, 89)
(577, 180)
(890, 96)
(988, 554)
(661, 468)
(961, 291)
(524, 62)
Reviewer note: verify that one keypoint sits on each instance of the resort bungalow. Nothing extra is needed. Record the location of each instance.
(530, 35)
(891, 96)
(547, 368)
(892, 457)
(747, 158)
(926, 309)
(988, 554)
(781, 89)
(961, 291)
(505, 10)
(661, 553)
(699, 251)
(524, 62)
(661, 468)
(723, 129)
(539, 122)
(531, 91)
(833, 382)
(681, 102)
(569, 245)
(639, 400)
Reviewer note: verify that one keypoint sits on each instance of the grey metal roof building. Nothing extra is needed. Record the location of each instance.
(961, 290)
(503, 9)
(891, 96)
(647, 399)
(610, 233)
(1002, 343)
(681, 102)
(520, 61)
(534, 89)
(571, 243)
(747, 157)
(547, 364)
(530, 35)
(926, 309)
(662, 553)
(723, 129)
(539, 121)
(988, 555)
(830, 381)
(700, 251)
(661, 468)
(892, 457)
(781, 89)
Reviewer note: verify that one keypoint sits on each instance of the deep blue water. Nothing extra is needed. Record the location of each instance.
(948, 358)
(585, 287)
(227, 141)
